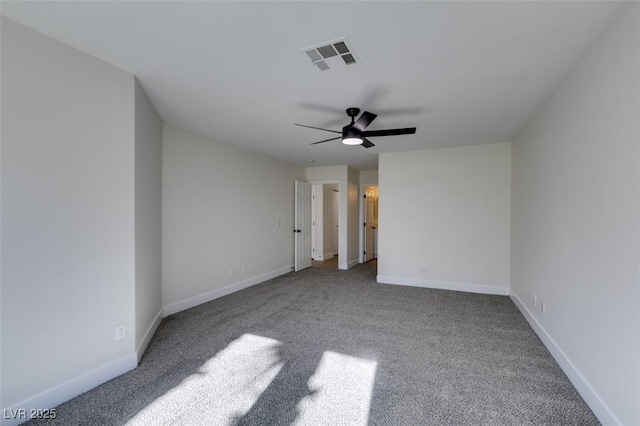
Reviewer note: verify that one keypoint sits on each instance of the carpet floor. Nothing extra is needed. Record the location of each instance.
(322, 346)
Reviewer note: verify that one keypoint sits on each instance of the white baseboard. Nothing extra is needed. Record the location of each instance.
(148, 335)
(350, 264)
(324, 256)
(215, 294)
(444, 285)
(70, 389)
(590, 396)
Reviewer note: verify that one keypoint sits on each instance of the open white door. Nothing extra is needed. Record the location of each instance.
(368, 225)
(302, 226)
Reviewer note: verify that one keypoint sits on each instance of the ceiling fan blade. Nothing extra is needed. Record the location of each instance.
(317, 128)
(365, 119)
(390, 132)
(367, 143)
(326, 140)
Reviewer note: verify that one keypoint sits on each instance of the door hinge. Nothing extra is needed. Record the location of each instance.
(364, 224)
(364, 196)
(364, 252)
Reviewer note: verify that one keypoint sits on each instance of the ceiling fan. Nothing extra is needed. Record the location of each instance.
(355, 133)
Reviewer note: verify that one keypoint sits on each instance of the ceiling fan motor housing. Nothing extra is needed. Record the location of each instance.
(349, 132)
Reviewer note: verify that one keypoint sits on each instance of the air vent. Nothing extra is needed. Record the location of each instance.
(322, 65)
(348, 59)
(327, 51)
(332, 55)
(341, 47)
(314, 55)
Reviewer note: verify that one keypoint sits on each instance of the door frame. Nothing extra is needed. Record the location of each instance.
(341, 256)
(362, 218)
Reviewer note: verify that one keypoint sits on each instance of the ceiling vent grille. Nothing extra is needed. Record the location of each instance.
(348, 59)
(332, 55)
(322, 65)
(327, 51)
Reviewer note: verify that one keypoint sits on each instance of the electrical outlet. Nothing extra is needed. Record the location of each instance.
(543, 307)
(535, 299)
(237, 270)
(121, 331)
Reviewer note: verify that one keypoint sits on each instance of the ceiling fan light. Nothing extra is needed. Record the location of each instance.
(352, 141)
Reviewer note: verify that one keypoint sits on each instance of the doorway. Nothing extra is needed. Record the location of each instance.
(369, 220)
(325, 224)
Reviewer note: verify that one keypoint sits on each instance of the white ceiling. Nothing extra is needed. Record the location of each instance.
(461, 72)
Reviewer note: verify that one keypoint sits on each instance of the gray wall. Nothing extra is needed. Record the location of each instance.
(444, 218)
(67, 190)
(148, 219)
(221, 208)
(576, 223)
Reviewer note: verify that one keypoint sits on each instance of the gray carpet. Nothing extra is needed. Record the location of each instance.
(326, 346)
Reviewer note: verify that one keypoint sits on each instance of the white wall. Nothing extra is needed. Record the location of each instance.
(444, 218)
(67, 219)
(148, 219)
(221, 207)
(369, 177)
(576, 223)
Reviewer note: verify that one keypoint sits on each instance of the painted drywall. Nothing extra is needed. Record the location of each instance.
(148, 219)
(369, 177)
(222, 206)
(576, 222)
(67, 219)
(444, 218)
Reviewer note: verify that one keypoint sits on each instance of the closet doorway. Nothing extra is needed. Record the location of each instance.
(325, 224)
(369, 233)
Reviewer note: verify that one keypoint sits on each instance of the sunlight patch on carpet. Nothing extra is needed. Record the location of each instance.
(224, 388)
(341, 391)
